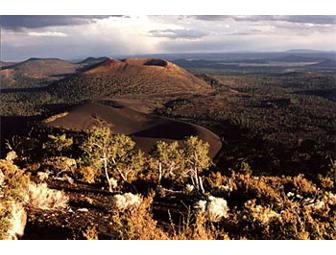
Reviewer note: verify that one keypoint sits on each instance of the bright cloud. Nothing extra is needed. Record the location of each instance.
(47, 34)
(74, 37)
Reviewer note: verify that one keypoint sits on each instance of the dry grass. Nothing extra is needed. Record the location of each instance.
(137, 224)
(13, 197)
(13, 218)
(17, 192)
(91, 233)
(236, 205)
(277, 207)
(59, 164)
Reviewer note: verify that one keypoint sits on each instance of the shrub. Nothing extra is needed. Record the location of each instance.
(198, 228)
(300, 185)
(243, 205)
(57, 144)
(115, 154)
(13, 218)
(15, 183)
(169, 159)
(16, 193)
(196, 155)
(264, 189)
(91, 233)
(13, 196)
(87, 174)
(59, 164)
(137, 224)
(180, 162)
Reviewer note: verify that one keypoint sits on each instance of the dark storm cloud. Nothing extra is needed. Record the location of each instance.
(178, 33)
(313, 19)
(17, 22)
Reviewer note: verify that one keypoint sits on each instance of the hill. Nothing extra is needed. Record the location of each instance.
(328, 63)
(35, 72)
(145, 129)
(4, 64)
(92, 61)
(136, 76)
(295, 58)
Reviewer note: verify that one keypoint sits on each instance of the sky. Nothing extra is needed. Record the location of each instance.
(75, 37)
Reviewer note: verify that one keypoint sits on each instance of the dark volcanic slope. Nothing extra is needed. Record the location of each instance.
(137, 76)
(145, 129)
(92, 61)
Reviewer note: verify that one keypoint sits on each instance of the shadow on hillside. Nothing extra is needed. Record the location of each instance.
(25, 90)
(57, 108)
(14, 125)
(325, 93)
(48, 87)
(169, 130)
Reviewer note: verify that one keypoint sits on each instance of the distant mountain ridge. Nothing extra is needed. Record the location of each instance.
(4, 64)
(308, 51)
(39, 72)
(296, 58)
(328, 63)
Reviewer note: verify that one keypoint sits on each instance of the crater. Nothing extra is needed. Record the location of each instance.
(156, 62)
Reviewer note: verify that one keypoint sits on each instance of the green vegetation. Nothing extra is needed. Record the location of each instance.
(266, 120)
(116, 154)
(275, 177)
(182, 162)
(57, 144)
(212, 203)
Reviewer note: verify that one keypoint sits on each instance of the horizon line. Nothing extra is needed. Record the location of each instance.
(297, 51)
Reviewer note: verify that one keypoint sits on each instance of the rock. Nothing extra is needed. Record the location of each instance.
(82, 210)
(215, 208)
(127, 201)
(43, 176)
(11, 156)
